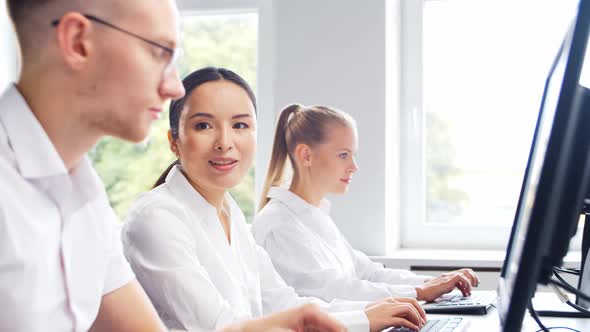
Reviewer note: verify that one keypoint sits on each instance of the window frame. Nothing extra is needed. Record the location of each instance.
(414, 231)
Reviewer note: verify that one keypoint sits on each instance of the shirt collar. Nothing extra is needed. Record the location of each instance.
(296, 203)
(88, 183)
(192, 199)
(35, 155)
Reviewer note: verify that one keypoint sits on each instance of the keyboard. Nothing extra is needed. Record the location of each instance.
(454, 324)
(454, 303)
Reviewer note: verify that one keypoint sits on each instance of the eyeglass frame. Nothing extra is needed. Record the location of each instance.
(175, 53)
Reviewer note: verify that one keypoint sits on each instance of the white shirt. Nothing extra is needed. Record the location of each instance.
(312, 256)
(60, 248)
(198, 281)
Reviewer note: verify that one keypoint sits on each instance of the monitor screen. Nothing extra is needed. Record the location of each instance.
(538, 153)
(551, 193)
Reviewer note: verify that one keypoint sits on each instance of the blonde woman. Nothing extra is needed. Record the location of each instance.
(294, 224)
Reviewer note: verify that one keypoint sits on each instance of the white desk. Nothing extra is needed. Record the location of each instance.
(491, 321)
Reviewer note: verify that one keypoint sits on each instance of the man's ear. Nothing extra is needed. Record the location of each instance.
(73, 38)
(303, 154)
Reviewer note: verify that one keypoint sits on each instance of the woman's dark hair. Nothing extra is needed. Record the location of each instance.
(190, 83)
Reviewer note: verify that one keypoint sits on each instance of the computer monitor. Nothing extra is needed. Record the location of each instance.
(552, 191)
(568, 221)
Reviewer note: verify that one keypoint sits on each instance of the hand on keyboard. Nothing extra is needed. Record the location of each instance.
(462, 279)
(395, 312)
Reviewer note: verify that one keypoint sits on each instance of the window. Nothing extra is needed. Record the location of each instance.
(221, 40)
(8, 45)
(469, 113)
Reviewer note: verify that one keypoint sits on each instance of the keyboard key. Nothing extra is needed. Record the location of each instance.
(434, 325)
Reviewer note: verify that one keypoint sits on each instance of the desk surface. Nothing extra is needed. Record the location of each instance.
(491, 321)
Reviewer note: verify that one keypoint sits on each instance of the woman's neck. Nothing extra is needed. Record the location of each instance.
(213, 196)
(306, 191)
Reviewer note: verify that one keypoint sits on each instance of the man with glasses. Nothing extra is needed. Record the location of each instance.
(90, 69)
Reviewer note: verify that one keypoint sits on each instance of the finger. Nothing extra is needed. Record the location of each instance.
(416, 305)
(467, 284)
(457, 282)
(473, 277)
(415, 311)
(450, 283)
(399, 322)
(463, 284)
(470, 275)
(407, 311)
(463, 289)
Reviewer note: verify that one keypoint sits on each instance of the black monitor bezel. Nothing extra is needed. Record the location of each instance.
(557, 197)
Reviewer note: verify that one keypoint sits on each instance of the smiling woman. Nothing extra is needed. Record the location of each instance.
(197, 123)
(129, 169)
(213, 135)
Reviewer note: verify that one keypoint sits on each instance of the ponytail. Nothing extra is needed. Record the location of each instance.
(162, 177)
(280, 153)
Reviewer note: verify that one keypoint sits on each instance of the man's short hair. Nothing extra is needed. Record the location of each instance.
(32, 19)
(18, 9)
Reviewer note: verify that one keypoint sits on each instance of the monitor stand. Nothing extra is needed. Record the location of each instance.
(584, 277)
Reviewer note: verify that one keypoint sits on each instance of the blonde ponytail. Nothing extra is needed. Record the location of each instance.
(280, 152)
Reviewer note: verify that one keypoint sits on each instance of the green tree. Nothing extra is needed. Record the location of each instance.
(440, 167)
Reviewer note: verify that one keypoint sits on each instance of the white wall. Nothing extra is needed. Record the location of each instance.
(333, 52)
(8, 50)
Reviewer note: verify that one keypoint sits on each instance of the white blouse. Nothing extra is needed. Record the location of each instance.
(311, 254)
(197, 281)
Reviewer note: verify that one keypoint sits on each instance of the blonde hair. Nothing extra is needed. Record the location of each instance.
(299, 124)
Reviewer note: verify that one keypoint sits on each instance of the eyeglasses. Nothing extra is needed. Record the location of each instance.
(170, 55)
